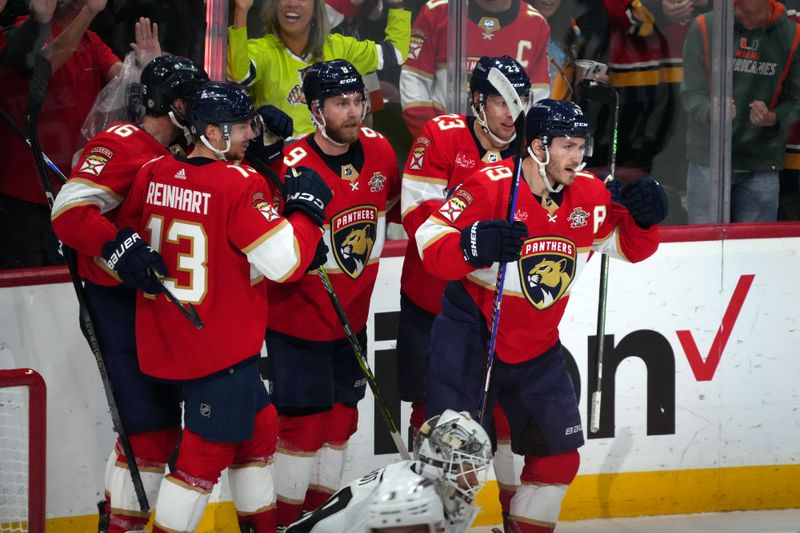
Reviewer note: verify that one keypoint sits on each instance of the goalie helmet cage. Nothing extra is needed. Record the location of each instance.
(23, 400)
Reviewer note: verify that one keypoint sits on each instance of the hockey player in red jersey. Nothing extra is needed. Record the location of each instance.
(562, 214)
(450, 148)
(219, 235)
(494, 28)
(84, 218)
(316, 380)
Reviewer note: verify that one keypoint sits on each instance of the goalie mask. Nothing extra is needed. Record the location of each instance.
(548, 119)
(405, 499)
(220, 104)
(455, 451)
(480, 88)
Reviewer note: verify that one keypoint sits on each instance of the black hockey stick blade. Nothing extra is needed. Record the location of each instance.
(187, 310)
(40, 78)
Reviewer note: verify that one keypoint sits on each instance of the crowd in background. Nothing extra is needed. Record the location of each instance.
(640, 41)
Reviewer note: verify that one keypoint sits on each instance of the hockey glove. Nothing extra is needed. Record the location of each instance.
(488, 241)
(306, 191)
(134, 261)
(320, 256)
(645, 200)
(268, 145)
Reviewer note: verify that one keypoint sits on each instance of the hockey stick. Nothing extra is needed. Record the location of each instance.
(506, 90)
(187, 310)
(348, 330)
(364, 364)
(612, 99)
(40, 78)
(22, 135)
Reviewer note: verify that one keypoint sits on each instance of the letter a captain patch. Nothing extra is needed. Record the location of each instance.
(452, 209)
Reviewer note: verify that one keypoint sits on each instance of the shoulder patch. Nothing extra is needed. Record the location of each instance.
(96, 160)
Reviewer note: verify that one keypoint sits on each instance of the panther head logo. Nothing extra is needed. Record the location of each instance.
(548, 280)
(353, 235)
(546, 269)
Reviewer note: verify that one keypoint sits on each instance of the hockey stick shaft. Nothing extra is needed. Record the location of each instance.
(364, 364)
(602, 296)
(21, 134)
(504, 87)
(39, 81)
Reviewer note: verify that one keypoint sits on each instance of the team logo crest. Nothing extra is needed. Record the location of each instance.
(417, 158)
(94, 164)
(377, 182)
(578, 218)
(262, 205)
(205, 410)
(353, 235)
(546, 269)
(452, 208)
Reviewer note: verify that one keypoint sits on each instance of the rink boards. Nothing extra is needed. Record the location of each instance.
(702, 408)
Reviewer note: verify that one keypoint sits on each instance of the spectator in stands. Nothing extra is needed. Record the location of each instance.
(297, 36)
(19, 46)
(646, 59)
(578, 30)
(495, 28)
(81, 65)
(765, 101)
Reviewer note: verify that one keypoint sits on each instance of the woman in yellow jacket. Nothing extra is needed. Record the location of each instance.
(298, 34)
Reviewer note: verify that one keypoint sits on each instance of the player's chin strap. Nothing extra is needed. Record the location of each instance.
(176, 117)
(221, 154)
(321, 128)
(543, 171)
(480, 118)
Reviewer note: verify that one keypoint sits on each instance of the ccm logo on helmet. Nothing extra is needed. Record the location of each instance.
(308, 197)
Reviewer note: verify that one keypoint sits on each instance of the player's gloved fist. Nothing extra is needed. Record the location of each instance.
(645, 200)
(320, 256)
(276, 121)
(268, 145)
(615, 188)
(306, 191)
(490, 241)
(132, 259)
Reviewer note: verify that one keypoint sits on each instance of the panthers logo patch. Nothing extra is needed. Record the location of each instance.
(547, 268)
(353, 235)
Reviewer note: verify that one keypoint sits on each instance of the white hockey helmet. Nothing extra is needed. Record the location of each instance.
(405, 499)
(456, 450)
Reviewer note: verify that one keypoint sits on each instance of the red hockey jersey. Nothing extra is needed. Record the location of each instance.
(521, 32)
(354, 233)
(440, 159)
(219, 233)
(537, 286)
(85, 208)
